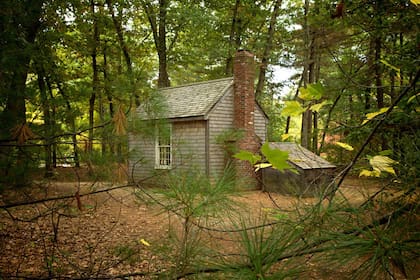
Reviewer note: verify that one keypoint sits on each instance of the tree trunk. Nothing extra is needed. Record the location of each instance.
(267, 49)
(163, 80)
(72, 123)
(232, 46)
(19, 20)
(95, 77)
(378, 73)
(48, 133)
(158, 26)
(126, 53)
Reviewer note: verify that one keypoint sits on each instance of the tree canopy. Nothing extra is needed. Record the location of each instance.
(72, 71)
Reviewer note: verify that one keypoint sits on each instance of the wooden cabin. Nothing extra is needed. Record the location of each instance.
(197, 116)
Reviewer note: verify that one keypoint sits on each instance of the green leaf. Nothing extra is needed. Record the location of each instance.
(248, 156)
(311, 92)
(318, 107)
(386, 63)
(285, 136)
(344, 146)
(370, 116)
(413, 97)
(385, 153)
(383, 164)
(144, 242)
(292, 108)
(276, 157)
(369, 173)
(415, 2)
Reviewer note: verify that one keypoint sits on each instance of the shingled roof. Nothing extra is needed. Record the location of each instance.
(192, 100)
(301, 157)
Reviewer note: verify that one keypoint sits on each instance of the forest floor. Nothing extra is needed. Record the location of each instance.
(113, 232)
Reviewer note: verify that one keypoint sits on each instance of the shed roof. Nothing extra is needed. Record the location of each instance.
(302, 157)
(192, 100)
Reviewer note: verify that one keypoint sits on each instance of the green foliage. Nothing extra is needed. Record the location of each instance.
(248, 156)
(275, 158)
(228, 139)
(196, 199)
(379, 163)
(292, 108)
(311, 92)
(262, 252)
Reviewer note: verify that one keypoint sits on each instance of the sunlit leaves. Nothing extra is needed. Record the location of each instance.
(413, 97)
(372, 115)
(379, 163)
(415, 2)
(317, 107)
(259, 166)
(392, 67)
(292, 108)
(311, 92)
(285, 136)
(344, 146)
(144, 242)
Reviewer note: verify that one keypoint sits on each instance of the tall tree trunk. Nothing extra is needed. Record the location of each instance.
(48, 133)
(53, 124)
(95, 77)
(125, 50)
(72, 123)
(286, 131)
(233, 38)
(306, 129)
(378, 50)
(108, 95)
(378, 73)
(267, 49)
(158, 25)
(327, 122)
(163, 80)
(19, 20)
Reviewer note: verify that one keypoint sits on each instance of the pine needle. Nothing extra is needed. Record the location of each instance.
(22, 133)
(120, 122)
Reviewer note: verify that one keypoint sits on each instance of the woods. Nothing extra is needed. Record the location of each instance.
(72, 74)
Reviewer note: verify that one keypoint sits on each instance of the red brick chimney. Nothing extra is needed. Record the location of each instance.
(244, 107)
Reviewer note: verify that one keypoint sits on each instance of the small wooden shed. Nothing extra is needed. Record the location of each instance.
(314, 172)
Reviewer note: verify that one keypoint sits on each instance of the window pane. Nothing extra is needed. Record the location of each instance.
(163, 146)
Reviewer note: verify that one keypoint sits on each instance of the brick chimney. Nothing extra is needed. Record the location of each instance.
(244, 107)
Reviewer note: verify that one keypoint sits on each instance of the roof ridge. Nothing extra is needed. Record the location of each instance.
(197, 83)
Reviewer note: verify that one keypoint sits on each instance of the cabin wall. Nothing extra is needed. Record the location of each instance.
(188, 151)
(260, 123)
(220, 121)
(141, 156)
(189, 142)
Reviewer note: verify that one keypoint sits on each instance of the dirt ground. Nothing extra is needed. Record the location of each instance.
(106, 233)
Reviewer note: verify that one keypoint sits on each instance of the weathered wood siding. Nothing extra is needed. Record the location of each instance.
(260, 122)
(189, 142)
(141, 156)
(220, 120)
(188, 150)
(189, 146)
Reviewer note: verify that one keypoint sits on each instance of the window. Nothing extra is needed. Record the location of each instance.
(163, 147)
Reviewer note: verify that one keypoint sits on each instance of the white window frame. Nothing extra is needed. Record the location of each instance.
(163, 152)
